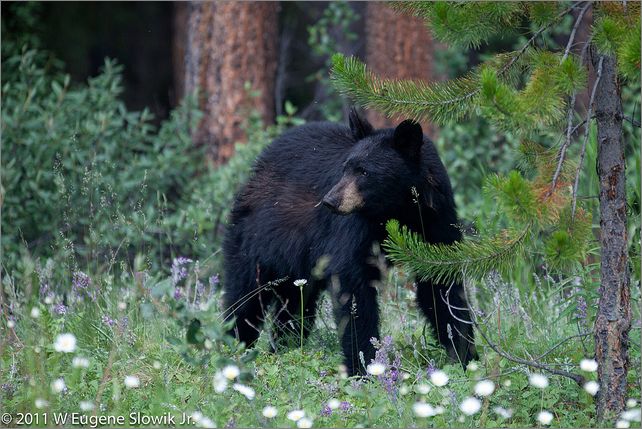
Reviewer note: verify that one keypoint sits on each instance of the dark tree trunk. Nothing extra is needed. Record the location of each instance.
(398, 46)
(614, 308)
(226, 45)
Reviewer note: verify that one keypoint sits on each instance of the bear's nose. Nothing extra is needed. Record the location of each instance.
(331, 203)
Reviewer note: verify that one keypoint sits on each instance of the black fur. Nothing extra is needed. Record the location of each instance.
(279, 228)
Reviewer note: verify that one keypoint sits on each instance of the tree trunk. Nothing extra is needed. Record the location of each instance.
(226, 45)
(614, 308)
(398, 46)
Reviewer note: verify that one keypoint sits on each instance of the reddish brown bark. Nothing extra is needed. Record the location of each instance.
(614, 307)
(227, 45)
(398, 46)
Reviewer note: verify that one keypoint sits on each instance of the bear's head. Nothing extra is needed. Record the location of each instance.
(380, 170)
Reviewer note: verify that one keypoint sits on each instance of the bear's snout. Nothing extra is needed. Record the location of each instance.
(344, 198)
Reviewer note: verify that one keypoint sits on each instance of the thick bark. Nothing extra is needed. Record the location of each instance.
(614, 308)
(398, 46)
(227, 45)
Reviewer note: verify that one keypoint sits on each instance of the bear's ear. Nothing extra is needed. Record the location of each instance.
(360, 127)
(409, 137)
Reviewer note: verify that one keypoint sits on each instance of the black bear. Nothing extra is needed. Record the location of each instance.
(325, 190)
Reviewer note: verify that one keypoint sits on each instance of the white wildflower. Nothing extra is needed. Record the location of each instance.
(132, 382)
(244, 390)
(86, 405)
(196, 417)
(35, 312)
(403, 390)
(300, 282)
(65, 343)
(220, 382)
(376, 368)
(333, 404)
(304, 423)
(538, 380)
(422, 409)
(58, 385)
(41, 403)
(80, 362)
(439, 378)
(588, 365)
(206, 422)
(545, 417)
(295, 415)
(630, 403)
(470, 406)
(503, 412)
(622, 424)
(632, 415)
(11, 324)
(472, 366)
(439, 409)
(422, 389)
(591, 387)
(270, 412)
(484, 388)
(156, 365)
(231, 372)
(507, 383)
(122, 306)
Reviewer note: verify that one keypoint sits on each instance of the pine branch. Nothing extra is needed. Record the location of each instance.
(440, 101)
(447, 263)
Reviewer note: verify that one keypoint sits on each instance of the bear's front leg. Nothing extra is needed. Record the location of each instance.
(357, 316)
(447, 309)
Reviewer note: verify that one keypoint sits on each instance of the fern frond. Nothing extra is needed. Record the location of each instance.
(442, 263)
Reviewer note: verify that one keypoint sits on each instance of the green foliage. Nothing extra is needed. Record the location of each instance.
(466, 25)
(440, 102)
(472, 258)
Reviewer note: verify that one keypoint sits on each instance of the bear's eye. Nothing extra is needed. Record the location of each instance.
(362, 171)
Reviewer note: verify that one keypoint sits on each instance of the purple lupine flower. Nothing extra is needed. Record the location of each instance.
(581, 308)
(387, 354)
(108, 320)
(345, 406)
(179, 272)
(178, 294)
(80, 286)
(60, 309)
(214, 281)
(123, 323)
(326, 411)
(431, 368)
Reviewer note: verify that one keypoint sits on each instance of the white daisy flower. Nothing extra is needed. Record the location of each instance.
(503, 412)
(632, 415)
(630, 403)
(622, 424)
(439, 409)
(244, 390)
(86, 405)
(220, 382)
(231, 372)
(484, 388)
(304, 423)
(197, 416)
(295, 415)
(40, 403)
(58, 385)
(507, 383)
(300, 282)
(376, 368)
(545, 417)
(65, 343)
(403, 390)
(439, 378)
(422, 389)
(35, 312)
(206, 422)
(422, 409)
(538, 380)
(156, 365)
(472, 366)
(470, 406)
(122, 306)
(591, 387)
(270, 412)
(80, 362)
(333, 404)
(588, 365)
(132, 382)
